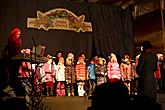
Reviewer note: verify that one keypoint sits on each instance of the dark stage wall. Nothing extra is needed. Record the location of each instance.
(112, 27)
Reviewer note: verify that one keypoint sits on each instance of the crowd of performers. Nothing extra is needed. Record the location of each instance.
(64, 77)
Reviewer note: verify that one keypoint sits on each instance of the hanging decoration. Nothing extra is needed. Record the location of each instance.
(61, 19)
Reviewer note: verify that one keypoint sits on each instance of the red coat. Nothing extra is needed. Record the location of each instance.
(113, 71)
(157, 73)
(80, 72)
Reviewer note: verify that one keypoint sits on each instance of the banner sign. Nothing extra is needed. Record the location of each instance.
(59, 18)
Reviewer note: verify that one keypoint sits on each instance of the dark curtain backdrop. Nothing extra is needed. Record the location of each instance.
(112, 27)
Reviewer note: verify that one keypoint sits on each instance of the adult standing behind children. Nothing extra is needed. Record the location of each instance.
(146, 67)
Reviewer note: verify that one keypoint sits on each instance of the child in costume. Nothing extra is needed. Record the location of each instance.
(136, 76)
(92, 77)
(26, 70)
(41, 79)
(70, 74)
(25, 73)
(157, 73)
(80, 75)
(113, 69)
(127, 71)
(100, 71)
(60, 78)
(50, 72)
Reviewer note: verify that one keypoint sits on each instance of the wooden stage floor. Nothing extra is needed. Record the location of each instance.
(81, 103)
(67, 103)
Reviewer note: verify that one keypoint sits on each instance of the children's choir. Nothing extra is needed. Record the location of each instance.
(66, 77)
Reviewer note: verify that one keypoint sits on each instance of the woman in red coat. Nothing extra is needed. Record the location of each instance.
(13, 48)
(14, 42)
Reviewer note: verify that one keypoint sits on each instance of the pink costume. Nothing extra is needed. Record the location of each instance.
(113, 71)
(50, 73)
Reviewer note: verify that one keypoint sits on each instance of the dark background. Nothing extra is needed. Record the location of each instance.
(112, 27)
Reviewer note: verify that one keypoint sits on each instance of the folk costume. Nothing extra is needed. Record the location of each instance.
(157, 73)
(81, 76)
(25, 77)
(161, 64)
(70, 75)
(100, 71)
(41, 79)
(60, 78)
(50, 72)
(113, 69)
(92, 77)
(127, 71)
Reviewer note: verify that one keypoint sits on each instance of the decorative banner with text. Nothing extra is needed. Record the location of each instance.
(59, 18)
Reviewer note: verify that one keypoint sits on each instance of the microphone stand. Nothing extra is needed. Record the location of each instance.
(35, 46)
(33, 89)
(35, 97)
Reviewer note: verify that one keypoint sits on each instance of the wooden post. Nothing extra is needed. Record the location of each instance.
(162, 20)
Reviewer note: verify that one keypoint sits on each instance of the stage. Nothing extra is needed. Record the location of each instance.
(80, 103)
(67, 102)
(63, 103)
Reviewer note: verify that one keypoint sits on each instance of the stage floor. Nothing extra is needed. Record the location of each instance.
(81, 103)
(67, 103)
